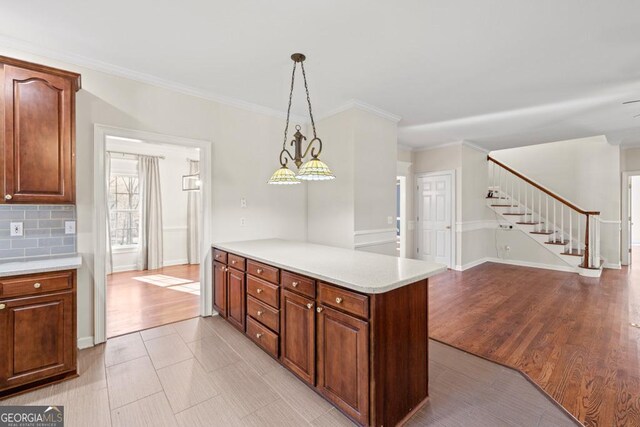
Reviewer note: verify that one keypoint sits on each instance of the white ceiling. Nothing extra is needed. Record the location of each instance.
(494, 72)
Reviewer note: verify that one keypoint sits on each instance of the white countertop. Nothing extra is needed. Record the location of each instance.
(15, 268)
(361, 271)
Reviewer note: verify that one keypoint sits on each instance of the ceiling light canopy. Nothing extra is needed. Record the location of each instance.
(314, 169)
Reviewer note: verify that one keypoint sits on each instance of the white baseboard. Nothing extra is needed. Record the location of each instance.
(171, 262)
(133, 267)
(123, 268)
(517, 262)
(85, 342)
(612, 265)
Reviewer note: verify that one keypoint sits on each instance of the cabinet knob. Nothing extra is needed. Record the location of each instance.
(222, 268)
(259, 290)
(338, 300)
(226, 269)
(258, 335)
(309, 305)
(319, 309)
(217, 256)
(2, 306)
(233, 261)
(295, 284)
(37, 285)
(259, 313)
(259, 271)
(8, 197)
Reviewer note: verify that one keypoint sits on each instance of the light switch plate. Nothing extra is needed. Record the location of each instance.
(17, 229)
(69, 227)
(243, 203)
(243, 222)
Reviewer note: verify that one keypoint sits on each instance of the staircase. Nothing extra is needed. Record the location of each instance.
(566, 230)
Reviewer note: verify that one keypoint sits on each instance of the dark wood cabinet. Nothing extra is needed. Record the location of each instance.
(236, 301)
(298, 335)
(38, 342)
(37, 133)
(365, 353)
(343, 362)
(220, 288)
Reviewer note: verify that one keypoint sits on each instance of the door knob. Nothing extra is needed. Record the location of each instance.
(8, 197)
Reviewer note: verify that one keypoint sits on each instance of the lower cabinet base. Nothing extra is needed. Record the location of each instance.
(26, 388)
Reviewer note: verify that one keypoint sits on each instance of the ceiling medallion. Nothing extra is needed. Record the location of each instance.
(314, 169)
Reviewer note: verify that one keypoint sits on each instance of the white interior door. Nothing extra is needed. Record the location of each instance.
(435, 218)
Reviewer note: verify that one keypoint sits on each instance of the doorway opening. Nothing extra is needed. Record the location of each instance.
(634, 221)
(152, 246)
(436, 210)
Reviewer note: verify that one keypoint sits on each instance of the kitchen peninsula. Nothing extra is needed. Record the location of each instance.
(350, 324)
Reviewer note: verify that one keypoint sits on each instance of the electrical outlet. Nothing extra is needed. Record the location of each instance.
(69, 227)
(243, 203)
(17, 229)
(243, 222)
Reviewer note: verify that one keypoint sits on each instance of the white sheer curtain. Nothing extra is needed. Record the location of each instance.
(193, 218)
(109, 260)
(150, 246)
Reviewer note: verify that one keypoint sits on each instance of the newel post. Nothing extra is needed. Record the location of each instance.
(585, 262)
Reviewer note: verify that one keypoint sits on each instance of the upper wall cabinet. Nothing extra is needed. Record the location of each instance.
(37, 133)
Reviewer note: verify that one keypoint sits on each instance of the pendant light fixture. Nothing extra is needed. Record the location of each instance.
(314, 169)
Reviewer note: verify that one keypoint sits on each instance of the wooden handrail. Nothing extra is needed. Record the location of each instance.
(544, 190)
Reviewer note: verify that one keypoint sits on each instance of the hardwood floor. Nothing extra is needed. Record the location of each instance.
(133, 305)
(571, 335)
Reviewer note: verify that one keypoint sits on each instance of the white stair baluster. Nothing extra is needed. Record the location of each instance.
(562, 222)
(539, 210)
(493, 178)
(555, 227)
(570, 232)
(546, 214)
(513, 199)
(526, 200)
(578, 245)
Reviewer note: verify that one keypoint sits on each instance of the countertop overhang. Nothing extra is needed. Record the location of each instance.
(357, 270)
(30, 266)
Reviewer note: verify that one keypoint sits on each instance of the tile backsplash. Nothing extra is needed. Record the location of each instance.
(43, 231)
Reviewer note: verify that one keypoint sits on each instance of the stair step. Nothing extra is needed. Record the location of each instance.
(528, 223)
(557, 242)
(516, 213)
(573, 252)
(493, 197)
(502, 206)
(546, 233)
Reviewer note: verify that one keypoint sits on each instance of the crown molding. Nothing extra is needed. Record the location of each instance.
(434, 147)
(475, 146)
(363, 106)
(405, 147)
(115, 70)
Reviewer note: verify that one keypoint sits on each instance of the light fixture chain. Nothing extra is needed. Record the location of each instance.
(306, 88)
(286, 127)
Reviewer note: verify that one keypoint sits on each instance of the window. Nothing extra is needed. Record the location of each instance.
(124, 202)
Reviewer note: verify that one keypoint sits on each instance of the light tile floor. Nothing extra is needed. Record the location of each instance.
(203, 372)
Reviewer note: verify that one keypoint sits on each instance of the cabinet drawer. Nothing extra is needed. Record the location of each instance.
(298, 283)
(220, 256)
(264, 314)
(263, 291)
(263, 337)
(344, 300)
(236, 262)
(266, 272)
(36, 284)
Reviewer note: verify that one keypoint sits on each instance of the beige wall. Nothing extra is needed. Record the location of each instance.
(245, 148)
(630, 159)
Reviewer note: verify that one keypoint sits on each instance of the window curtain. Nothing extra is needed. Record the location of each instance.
(109, 260)
(150, 245)
(193, 218)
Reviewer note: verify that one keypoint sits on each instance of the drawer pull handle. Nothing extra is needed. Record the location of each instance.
(259, 271)
(37, 285)
(295, 284)
(259, 313)
(309, 305)
(8, 197)
(259, 290)
(258, 335)
(319, 309)
(338, 300)
(2, 306)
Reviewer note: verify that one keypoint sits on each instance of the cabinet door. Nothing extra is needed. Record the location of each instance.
(38, 137)
(343, 362)
(297, 336)
(236, 300)
(220, 288)
(37, 338)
